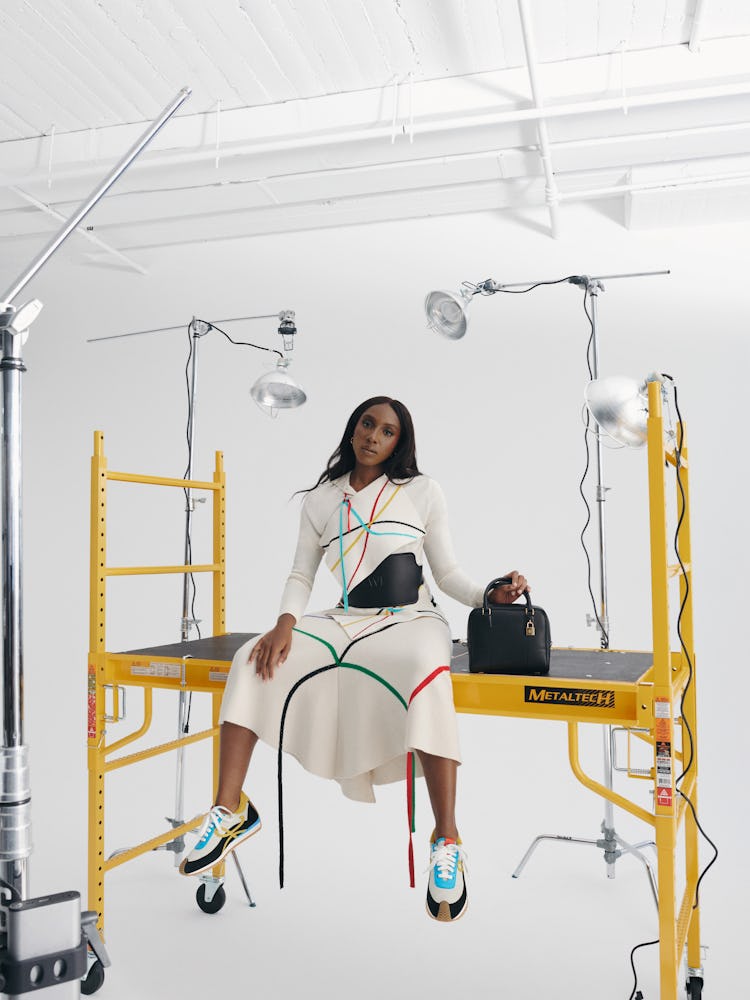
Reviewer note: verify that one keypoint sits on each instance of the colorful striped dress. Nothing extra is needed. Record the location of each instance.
(367, 682)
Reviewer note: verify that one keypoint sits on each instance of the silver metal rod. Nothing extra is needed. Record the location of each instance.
(185, 633)
(12, 368)
(181, 326)
(601, 489)
(95, 240)
(99, 193)
(185, 623)
(15, 787)
(596, 277)
(15, 795)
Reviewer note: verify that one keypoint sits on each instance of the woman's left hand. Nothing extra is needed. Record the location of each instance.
(509, 592)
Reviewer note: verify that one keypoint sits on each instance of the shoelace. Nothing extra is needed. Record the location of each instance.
(216, 816)
(445, 859)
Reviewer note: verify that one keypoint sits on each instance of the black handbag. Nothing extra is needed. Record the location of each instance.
(508, 638)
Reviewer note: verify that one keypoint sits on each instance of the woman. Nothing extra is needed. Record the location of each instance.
(354, 692)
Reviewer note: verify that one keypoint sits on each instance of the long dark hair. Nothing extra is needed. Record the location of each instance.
(401, 465)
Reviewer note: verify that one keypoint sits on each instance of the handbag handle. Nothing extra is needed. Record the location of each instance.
(496, 583)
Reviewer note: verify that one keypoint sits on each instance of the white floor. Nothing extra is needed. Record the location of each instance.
(347, 925)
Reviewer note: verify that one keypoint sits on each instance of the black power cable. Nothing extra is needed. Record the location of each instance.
(189, 540)
(586, 431)
(691, 673)
(485, 288)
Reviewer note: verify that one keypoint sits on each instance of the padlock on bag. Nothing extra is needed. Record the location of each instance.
(508, 638)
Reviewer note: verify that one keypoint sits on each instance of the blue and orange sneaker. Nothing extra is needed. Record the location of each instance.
(221, 832)
(446, 889)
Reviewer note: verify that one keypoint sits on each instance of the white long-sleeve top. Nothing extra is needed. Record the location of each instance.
(424, 501)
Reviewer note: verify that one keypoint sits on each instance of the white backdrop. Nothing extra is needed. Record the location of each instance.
(498, 421)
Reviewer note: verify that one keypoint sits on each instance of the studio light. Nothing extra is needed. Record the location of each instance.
(619, 405)
(447, 312)
(277, 390)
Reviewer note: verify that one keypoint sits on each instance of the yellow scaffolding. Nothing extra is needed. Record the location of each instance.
(100, 673)
(650, 703)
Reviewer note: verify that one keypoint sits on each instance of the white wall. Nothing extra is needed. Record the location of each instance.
(498, 420)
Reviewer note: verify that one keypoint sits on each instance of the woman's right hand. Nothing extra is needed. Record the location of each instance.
(272, 649)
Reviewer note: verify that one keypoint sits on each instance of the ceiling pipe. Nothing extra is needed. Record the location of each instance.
(633, 101)
(48, 210)
(676, 182)
(545, 152)
(699, 14)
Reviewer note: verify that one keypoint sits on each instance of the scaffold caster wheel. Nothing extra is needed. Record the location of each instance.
(694, 987)
(94, 979)
(214, 904)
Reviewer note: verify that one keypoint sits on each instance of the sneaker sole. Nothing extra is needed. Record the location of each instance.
(444, 913)
(229, 848)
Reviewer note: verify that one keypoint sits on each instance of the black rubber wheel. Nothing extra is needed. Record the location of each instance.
(94, 979)
(213, 905)
(694, 987)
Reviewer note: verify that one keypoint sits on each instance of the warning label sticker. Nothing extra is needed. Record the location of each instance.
(157, 670)
(662, 708)
(664, 796)
(663, 729)
(91, 725)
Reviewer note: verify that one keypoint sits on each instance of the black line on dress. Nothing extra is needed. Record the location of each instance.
(313, 673)
(359, 527)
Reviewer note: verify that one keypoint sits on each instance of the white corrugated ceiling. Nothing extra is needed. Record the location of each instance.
(309, 113)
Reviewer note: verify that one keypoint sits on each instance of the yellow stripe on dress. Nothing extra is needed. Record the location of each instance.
(362, 531)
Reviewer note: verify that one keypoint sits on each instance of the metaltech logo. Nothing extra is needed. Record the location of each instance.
(585, 697)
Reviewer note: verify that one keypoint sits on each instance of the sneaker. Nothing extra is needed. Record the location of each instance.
(221, 832)
(446, 889)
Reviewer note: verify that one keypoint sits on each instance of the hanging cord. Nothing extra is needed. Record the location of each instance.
(574, 279)
(243, 343)
(688, 660)
(237, 343)
(586, 430)
(636, 993)
(189, 540)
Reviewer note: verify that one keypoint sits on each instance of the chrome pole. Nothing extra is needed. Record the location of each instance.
(198, 329)
(15, 785)
(594, 287)
(41, 259)
(15, 794)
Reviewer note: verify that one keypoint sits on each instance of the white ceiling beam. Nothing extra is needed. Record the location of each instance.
(99, 243)
(440, 107)
(698, 28)
(545, 152)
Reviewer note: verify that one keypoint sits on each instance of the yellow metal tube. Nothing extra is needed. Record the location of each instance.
(134, 758)
(658, 525)
(150, 845)
(595, 786)
(151, 570)
(689, 786)
(147, 713)
(220, 550)
(133, 477)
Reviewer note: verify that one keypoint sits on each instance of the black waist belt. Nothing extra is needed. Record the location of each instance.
(395, 582)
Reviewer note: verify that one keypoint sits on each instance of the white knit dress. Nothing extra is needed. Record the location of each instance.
(362, 686)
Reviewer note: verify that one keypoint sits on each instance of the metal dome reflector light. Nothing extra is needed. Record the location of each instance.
(447, 312)
(619, 405)
(277, 390)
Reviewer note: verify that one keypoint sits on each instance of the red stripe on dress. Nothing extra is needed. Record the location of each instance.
(410, 812)
(410, 774)
(430, 677)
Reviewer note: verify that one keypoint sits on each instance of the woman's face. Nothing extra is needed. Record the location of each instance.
(376, 435)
